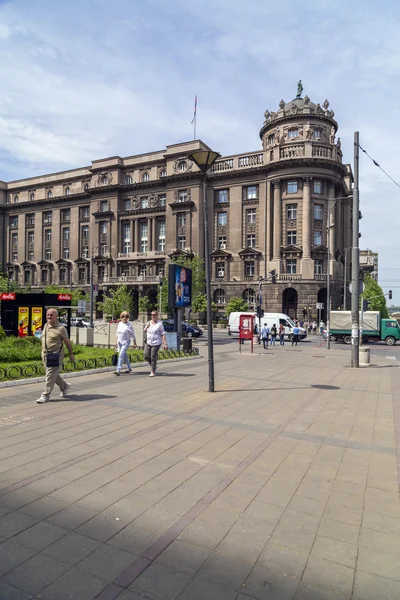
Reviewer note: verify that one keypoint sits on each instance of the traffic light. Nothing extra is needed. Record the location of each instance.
(365, 304)
(390, 294)
(260, 312)
(273, 275)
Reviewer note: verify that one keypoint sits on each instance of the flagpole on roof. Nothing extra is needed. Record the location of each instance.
(194, 117)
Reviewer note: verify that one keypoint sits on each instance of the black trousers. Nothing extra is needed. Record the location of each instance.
(295, 339)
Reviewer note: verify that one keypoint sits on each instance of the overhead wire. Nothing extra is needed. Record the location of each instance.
(379, 166)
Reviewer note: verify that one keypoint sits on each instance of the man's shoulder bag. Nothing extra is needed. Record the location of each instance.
(52, 358)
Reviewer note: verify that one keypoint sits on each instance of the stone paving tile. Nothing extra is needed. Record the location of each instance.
(282, 560)
(71, 517)
(384, 542)
(106, 562)
(12, 555)
(326, 574)
(199, 589)
(160, 582)
(307, 592)
(266, 584)
(14, 522)
(133, 539)
(100, 528)
(18, 498)
(71, 548)
(180, 556)
(43, 508)
(368, 586)
(235, 545)
(9, 592)
(380, 563)
(336, 551)
(74, 585)
(338, 530)
(306, 505)
(254, 528)
(225, 571)
(40, 535)
(352, 516)
(36, 573)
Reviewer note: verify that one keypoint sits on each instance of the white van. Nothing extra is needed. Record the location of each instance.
(270, 319)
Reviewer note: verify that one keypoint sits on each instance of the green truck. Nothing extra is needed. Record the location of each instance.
(373, 327)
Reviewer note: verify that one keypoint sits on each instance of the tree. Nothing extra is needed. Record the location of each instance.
(373, 291)
(118, 300)
(12, 286)
(144, 304)
(236, 304)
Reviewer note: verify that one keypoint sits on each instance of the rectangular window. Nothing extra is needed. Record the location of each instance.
(65, 252)
(47, 217)
(127, 204)
(85, 212)
(292, 238)
(318, 267)
(222, 219)
(14, 221)
(104, 206)
(30, 219)
(31, 255)
(161, 235)
(251, 215)
(317, 133)
(181, 219)
(220, 269)
(27, 276)
(143, 269)
(249, 268)
(66, 233)
(85, 252)
(82, 273)
(144, 202)
(222, 242)
(65, 215)
(292, 187)
(15, 256)
(222, 196)
(317, 238)
(162, 200)
(251, 240)
(48, 254)
(181, 242)
(103, 227)
(182, 196)
(14, 239)
(101, 273)
(293, 133)
(44, 276)
(126, 237)
(85, 232)
(103, 249)
(144, 237)
(291, 266)
(252, 192)
(291, 211)
(31, 237)
(47, 235)
(318, 212)
(317, 187)
(63, 275)
(160, 269)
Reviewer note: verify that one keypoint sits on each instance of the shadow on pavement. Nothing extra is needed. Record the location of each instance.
(321, 386)
(82, 398)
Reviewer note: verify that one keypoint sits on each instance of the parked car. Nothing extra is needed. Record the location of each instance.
(187, 328)
(79, 322)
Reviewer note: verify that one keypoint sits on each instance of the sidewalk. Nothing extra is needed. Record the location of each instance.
(282, 485)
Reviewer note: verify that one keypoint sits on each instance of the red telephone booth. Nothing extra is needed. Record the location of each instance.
(246, 329)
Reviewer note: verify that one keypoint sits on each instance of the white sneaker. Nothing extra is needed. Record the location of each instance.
(152, 375)
(64, 393)
(42, 399)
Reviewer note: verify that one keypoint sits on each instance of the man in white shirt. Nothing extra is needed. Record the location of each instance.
(155, 333)
(125, 333)
(265, 331)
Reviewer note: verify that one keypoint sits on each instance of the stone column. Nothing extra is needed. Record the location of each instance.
(277, 220)
(136, 247)
(307, 263)
(331, 220)
(268, 223)
(153, 234)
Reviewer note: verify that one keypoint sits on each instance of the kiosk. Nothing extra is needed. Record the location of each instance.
(246, 330)
(25, 314)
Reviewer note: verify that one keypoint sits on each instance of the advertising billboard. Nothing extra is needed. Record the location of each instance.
(179, 286)
(23, 318)
(36, 320)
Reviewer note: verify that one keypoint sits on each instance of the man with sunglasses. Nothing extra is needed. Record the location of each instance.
(155, 333)
(125, 333)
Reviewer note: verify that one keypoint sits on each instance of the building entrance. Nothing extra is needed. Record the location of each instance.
(289, 302)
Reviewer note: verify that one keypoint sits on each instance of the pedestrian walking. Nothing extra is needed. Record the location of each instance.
(295, 336)
(281, 335)
(265, 331)
(273, 335)
(321, 327)
(125, 333)
(54, 337)
(155, 333)
(314, 328)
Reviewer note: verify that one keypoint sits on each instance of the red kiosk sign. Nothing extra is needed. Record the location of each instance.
(7, 296)
(246, 329)
(64, 297)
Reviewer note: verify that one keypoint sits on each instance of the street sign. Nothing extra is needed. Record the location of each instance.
(320, 306)
(361, 288)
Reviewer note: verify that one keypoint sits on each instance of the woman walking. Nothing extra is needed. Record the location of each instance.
(154, 330)
(281, 335)
(125, 333)
(273, 335)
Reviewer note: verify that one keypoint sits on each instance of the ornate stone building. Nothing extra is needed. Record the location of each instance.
(127, 216)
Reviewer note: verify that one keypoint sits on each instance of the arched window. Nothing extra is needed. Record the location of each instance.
(86, 187)
(16, 198)
(249, 296)
(128, 180)
(163, 173)
(220, 297)
(49, 194)
(67, 191)
(105, 180)
(182, 166)
(32, 196)
(145, 177)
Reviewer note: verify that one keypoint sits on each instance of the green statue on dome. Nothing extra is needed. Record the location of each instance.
(299, 89)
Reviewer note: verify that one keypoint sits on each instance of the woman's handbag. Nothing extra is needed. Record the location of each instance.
(114, 360)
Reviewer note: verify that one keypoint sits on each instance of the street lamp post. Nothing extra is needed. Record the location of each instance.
(205, 159)
(355, 263)
(345, 278)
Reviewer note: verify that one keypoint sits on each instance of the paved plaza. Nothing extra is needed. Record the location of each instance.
(283, 485)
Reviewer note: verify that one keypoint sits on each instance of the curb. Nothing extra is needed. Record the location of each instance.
(67, 375)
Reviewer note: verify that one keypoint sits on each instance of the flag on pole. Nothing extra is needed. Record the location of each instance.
(195, 109)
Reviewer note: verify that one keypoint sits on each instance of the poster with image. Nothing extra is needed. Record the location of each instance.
(23, 318)
(36, 320)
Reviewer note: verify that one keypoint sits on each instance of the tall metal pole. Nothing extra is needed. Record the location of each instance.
(345, 280)
(207, 259)
(355, 264)
(91, 288)
(328, 279)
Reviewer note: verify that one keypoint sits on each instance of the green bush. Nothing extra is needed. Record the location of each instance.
(16, 350)
(2, 334)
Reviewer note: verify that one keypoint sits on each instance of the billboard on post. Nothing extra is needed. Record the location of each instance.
(179, 286)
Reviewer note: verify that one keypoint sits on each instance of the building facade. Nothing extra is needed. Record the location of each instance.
(368, 264)
(127, 217)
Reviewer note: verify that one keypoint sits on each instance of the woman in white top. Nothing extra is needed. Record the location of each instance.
(155, 337)
(125, 333)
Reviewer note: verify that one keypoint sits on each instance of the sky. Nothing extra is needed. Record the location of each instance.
(86, 79)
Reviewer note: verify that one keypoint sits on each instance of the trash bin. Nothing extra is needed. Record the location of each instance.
(187, 344)
(364, 354)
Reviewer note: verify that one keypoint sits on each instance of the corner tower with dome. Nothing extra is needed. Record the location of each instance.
(127, 217)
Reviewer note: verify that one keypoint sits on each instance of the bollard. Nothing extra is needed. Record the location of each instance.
(364, 355)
